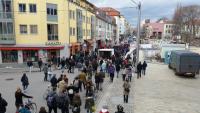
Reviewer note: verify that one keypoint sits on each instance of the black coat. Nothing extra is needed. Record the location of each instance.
(144, 66)
(3, 105)
(54, 82)
(24, 80)
(139, 67)
(18, 98)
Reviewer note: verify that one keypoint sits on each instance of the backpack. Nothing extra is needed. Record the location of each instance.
(71, 91)
(51, 100)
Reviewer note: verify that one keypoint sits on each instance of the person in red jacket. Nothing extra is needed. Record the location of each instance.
(104, 109)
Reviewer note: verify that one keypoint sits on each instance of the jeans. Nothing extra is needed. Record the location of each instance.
(129, 78)
(125, 98)
(45, 76)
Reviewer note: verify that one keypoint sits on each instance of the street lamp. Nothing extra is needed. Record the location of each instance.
(138, 31)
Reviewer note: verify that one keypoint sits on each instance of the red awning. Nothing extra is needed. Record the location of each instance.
(30, 48)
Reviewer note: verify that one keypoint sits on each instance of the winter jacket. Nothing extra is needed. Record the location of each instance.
(54, 81)
(126, 86)
(111, 69)
(82, 77)
(62, 86)
(24, 80)
(3, 105)
(18, 97)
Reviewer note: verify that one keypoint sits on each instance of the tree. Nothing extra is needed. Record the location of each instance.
(186, 21)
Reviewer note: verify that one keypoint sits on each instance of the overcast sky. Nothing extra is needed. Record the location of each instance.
(151, 9)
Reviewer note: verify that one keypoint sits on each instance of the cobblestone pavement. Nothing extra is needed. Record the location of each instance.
(113, 95)
(160, 91)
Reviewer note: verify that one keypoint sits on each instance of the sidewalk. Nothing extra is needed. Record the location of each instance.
(113, 95)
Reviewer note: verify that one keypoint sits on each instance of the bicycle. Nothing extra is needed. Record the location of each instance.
(49, 88)
(32, 106)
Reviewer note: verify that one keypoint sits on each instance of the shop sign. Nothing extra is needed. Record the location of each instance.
(52, 43)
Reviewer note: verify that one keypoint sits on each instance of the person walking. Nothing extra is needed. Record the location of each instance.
(126, 87)
(139, 69)
(45, 69)
(89, 103)
(144, 66)
(18, 98)
(62, 85)
(51, 100)
(101, 77)
(63, 102)
(129, 73)
(3, 104)
(111, 71)
(97, 80)
(82, 78)
(24, 81)
(40, 63)
(30, 65)
(117, 69)
(76, 84)
(63, 64)
(54, 81)
(71, 93)
(42, 110)
(124, 73)
(76, 103)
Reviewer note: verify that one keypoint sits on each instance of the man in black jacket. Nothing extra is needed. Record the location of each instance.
(3, 105)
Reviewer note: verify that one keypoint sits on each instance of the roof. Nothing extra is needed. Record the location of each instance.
(110, 11)
(185, 52)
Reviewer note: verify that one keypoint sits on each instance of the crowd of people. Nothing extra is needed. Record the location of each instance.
(65, 95)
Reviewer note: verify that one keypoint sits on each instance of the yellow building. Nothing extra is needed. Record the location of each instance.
(45, 29)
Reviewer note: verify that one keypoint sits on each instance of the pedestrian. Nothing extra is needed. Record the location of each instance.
(117, 69)
(63, 102)
(71, 92)
(126, 87)
(124, 73)
(82, 78)
(120, 109)
(129, 73)
(63, 64)
(3, 105)
(54, 81)
(89, 103)
(62, 85)
(40, 64)
(60, 78)
(30, 65)
(76, 103)
(42, 110)
(18, 98)
(51, 100)
(111, 71)
(102, 76)
(97, 81)
(139, 69)
(24, 81)
(76, 84)
(144, 66)
(45, 69)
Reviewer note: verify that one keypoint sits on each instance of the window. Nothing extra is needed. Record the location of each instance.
(73, 14)
(22, 7)
(33, 29)
(74, 31)
(6, 28)
(52, 9)
(9, 56)
(30, 55)
(70, 14)
(71, 31)
(23, 29)
(32, 8)
(52, 30)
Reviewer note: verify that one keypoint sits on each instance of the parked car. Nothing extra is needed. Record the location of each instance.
(184, 62)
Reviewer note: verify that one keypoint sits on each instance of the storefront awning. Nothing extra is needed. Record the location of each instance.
(31, 48)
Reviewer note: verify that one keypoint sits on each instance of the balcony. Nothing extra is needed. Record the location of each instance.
(6, 15)
(7, 39)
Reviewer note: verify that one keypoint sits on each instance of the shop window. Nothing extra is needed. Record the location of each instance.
(30, 55)
(9, 56)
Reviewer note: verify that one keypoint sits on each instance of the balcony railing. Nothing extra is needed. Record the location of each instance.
(6, 15)
(7, 39)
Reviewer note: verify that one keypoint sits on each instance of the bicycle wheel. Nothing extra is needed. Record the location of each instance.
(33, 108)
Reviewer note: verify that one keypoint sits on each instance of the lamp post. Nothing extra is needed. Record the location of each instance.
(138, 30)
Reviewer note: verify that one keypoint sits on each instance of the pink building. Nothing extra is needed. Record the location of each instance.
(155, 30)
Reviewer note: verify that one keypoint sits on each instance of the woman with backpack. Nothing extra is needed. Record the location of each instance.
(24, 81)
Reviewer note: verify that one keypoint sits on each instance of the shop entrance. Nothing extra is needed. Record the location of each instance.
(53, 54)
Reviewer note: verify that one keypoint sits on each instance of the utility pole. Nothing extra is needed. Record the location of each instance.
(138, 33)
